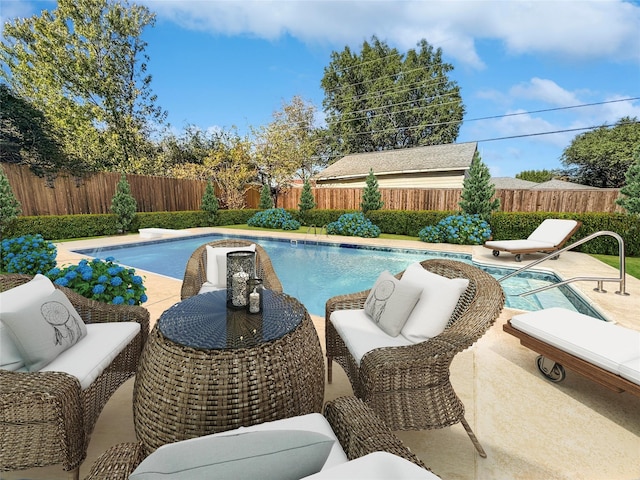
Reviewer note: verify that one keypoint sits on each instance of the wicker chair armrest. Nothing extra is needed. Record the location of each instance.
(117, 463)
(351, 301)
(360, 431)
(41, 398)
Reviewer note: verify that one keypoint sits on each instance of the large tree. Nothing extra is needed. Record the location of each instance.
(380, 99)
(288, 147)
(601, 157)
(83, 65)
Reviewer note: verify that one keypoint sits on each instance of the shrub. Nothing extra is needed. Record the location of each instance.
(459, 229)
(210, 203)
(307, 203)
(371, 196)
(274, 218)
(102, 280)
(266, 200)
(28, 254)
(355, 225)
(124, 205)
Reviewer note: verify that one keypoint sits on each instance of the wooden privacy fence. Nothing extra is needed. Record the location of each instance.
(443, 199)
(93, 194)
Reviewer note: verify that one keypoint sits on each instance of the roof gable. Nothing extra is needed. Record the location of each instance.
(433, 158)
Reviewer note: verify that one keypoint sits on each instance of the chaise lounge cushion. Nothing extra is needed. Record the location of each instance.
(437, 302)
(361, 335)
(375, 466)
(268, 455)
(390, 302)
(604, 344)
(43, 328)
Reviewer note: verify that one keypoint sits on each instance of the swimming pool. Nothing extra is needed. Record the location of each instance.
(313, 272)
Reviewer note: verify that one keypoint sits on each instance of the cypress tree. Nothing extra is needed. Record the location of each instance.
(307, 202)
(123, 205)
(478, 191)
(371, 196)
(630, 194)
(266, 202)
(210, 203)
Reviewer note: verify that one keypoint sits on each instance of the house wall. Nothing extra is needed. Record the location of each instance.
(403, 180)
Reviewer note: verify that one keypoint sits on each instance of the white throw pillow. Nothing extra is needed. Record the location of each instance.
(271, 454)
(44, 328)
(390, 302)
(437, 302)
(14, 298)
(217, 269)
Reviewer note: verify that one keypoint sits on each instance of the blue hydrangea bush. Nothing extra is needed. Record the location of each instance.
(274, 218)
(354, 225)
(102, 280)
(29, 254)
(458, 229)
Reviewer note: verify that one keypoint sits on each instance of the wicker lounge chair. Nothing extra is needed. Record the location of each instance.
(358, 430)
(550, 236)
(409, 386)
(45, 417)
(196, 270)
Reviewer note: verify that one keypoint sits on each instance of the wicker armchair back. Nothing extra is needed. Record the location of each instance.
(196, 270)
(409, 387)
(45, 418)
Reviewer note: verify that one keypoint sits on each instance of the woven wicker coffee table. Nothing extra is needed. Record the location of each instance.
(207, 369)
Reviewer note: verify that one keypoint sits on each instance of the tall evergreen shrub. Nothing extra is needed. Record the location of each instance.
(478, 191)
(210, 203)
(123, 205)
(307, 202)
(371, 196)
(10, 207)
(266, 201)
(630, 194)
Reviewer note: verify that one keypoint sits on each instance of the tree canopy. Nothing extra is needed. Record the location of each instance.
(537, 176)
(601, 157)
(83, 65)
(381, 99)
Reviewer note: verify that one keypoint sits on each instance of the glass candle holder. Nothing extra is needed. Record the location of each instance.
(254, 295)
(240, 268)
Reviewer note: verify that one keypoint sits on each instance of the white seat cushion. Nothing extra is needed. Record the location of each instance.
(518, 244)
(376, 466)
(631, 370)
(210, 287)
(361, 335)
(552, 230)
(88, 358)
(604, 344)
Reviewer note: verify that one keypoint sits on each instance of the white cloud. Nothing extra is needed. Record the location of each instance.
(573, 29)
(546, 91)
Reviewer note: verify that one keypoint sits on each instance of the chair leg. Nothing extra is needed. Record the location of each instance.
(473, 438)
(329, 369)
(75, 473)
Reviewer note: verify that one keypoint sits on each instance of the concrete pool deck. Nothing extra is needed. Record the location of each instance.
(531, 428)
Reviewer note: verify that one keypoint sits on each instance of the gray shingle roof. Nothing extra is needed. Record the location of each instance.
(454, 156)
(556, 184)
(510, 183)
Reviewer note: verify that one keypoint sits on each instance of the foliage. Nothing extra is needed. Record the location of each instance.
(355, 225)
(124, 205)
(102, 280)
(457, 229)
(477, 191)
(538, 176)
(83, 65)
(28, 254)
(630, 194)
(274, 218)
(307, 202)
(286, 148)
(266, 201)
(381, 99)
(601, 157)
(9, 205)
(371, 197)
(226, 158)
(210, 203)
(26, 137)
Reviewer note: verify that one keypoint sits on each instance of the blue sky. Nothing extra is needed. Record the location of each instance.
(217, 64)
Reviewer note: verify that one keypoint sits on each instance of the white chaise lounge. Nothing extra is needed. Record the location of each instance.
(602, 351)
(550, 236)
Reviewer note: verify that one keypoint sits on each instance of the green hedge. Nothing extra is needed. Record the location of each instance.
(503, 225)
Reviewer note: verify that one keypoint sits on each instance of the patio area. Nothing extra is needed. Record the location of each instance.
(529, 427)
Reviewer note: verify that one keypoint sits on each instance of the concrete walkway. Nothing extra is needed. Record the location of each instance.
(530, 428)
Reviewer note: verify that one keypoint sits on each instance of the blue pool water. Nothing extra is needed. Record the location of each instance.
(314, 272)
